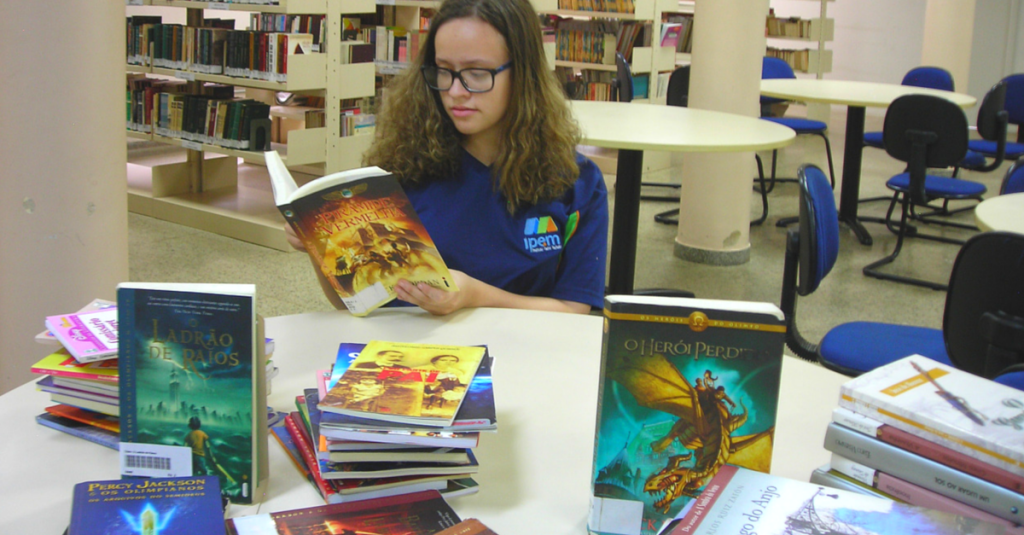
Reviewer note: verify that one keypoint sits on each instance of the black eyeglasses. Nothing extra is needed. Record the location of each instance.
(475, 80)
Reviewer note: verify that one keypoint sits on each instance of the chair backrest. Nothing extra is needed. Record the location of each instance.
(773, 68)
(1015, 101)
(930, 77)
(819, 228)
(992, 116)
(924, 131)
(623, 79)
(983, 323)
(678, 93)
(1013, 181)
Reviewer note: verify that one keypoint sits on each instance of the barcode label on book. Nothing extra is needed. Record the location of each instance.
(368, 297)
(153, 460)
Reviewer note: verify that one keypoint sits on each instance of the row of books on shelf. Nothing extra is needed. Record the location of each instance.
(788, 27)
(200, 119)
(598, 85)
(274, 22)
(597, 41)
(248, 54)
(799, 60)
(190, 505)
(604, 6)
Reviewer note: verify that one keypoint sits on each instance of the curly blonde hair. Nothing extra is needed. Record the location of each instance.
(417, 141)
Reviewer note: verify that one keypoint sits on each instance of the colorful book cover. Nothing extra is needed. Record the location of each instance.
(361, 230)
(46, 385)
(165, 506)
(88, 336)
(959, 410)
(331, 470)
(739, 501)
(409, 383)
(95, 419)
(192, 377)
(687, 385)
(47, 337)
(477, 411)
(63, 364)
(469, 526)
(96, 435)
(420, 513)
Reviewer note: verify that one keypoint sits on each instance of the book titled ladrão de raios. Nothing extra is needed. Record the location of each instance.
(361, 231)
(192, 384)
(687, 385)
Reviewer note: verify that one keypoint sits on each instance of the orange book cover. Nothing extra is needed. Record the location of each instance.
(95, 419)
(361, 231)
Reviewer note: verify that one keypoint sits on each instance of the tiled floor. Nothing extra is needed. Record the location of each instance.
(160, 251)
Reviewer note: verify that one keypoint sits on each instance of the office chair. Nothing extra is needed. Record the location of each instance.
(678, 94)
(927, 77)
(811, 251)
(772, 68)
(622, 84)
(983, 323)
(927, 131)
(1014, 107)
(1013, 181)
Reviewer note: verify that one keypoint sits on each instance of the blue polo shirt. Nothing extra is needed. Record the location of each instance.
(554, 249)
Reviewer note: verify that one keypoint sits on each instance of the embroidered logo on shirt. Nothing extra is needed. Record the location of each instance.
(541, 234)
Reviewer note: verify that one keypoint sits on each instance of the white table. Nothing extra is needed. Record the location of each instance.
(1005, 212)
(535, 471)
(856, 96)
(635, 127)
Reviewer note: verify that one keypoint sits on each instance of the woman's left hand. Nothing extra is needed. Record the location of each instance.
(437, 301)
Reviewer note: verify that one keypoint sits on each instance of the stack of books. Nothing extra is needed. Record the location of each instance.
(393, 418)
(927, 434)
(81, 376)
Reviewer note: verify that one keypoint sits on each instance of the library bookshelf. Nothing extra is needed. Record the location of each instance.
(801, 40)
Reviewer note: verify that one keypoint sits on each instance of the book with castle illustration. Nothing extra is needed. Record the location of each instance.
(361, 231)
(686, 386)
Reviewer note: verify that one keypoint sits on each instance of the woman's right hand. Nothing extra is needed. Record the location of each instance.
(293, 238)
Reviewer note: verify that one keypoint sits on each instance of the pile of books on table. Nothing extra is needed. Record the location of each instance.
(393, 418)
(923, 433)
(81, 375)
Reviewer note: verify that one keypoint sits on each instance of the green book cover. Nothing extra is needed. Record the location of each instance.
(687, 385)
(190, 376)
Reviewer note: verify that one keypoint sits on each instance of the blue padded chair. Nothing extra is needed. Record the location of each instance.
(773, 68)
(983, 323)
(928, 77)
(1014, 107)
(1013, 182)
(811, 252)
(927, 131)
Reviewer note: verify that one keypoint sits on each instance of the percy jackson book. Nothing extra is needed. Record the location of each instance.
(165, 506)
(192, 385)
(687, 385)
(361, 231)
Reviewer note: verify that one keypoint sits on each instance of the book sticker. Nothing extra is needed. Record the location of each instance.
(154, 460)
(621, 517)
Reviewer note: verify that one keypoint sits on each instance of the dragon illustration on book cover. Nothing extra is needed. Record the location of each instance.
(704, 426)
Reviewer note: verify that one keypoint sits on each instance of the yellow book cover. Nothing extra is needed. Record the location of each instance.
(361, 231)
(419, 384)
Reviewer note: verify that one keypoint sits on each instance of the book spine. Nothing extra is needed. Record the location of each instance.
(308, 457)
(126, 365)
(927, 473)
(935, 431)
(829, 479)
(925, 448)
(83, 431)
(914, 494)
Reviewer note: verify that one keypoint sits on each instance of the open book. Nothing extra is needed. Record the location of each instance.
(362, 232)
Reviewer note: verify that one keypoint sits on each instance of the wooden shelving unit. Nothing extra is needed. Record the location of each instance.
(204, 192)
(821, 30)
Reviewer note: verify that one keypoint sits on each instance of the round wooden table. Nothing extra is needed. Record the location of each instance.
(635, 127)
(856, 96)
(1005, 212)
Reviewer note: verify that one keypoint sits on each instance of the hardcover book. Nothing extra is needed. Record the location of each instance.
(420, 513)
(738, 501)
(475, 413)
(168, 506)
(88, 336)
(956, 409)
(63, 364)
(687, 385)
(361, 231)
(409, 383)
(192, 379)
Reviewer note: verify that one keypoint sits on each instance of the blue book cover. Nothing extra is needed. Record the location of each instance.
(190, 371)
(168, 506)
(99, 436)
(476, 412)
